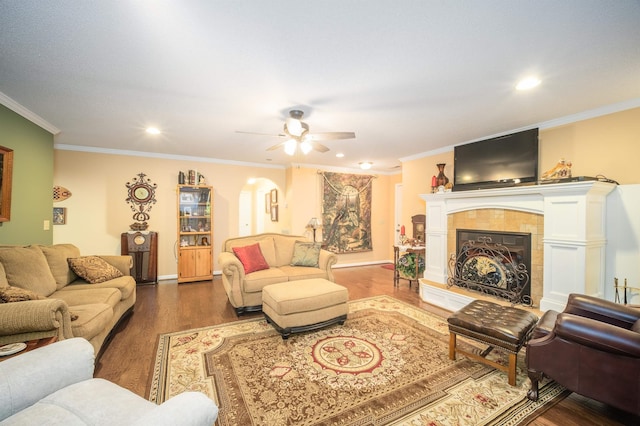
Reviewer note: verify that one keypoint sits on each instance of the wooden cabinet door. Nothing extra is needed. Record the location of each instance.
(187, 264)
(203, 262)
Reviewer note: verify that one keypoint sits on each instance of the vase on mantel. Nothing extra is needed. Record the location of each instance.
(441, 179)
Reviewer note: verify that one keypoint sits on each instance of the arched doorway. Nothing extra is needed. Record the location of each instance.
(254, 215)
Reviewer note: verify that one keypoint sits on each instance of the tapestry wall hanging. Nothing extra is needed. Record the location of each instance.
(346, 212)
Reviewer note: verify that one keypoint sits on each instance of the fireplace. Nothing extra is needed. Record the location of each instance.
(493, 263)
(567, 223)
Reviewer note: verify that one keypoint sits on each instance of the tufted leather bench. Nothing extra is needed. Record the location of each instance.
(494, 325)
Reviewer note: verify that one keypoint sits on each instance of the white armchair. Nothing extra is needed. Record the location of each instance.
(55, 385)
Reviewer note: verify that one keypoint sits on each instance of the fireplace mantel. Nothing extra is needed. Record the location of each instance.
(574, 236)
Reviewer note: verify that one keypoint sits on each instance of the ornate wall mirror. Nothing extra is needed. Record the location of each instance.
(6, 173)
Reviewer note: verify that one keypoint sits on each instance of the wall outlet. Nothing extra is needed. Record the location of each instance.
(46, 225)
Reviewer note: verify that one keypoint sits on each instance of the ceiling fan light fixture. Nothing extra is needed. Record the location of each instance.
(294, 126)
(290, 146)
(305, 147)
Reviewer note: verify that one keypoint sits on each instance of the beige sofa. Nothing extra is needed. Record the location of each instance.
(245, 290)
(44, 297)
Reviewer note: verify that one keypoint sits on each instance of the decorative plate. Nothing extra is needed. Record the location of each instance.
(12, 348)
(484, 270)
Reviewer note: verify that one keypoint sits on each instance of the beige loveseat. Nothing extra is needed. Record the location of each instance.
(44, 297)
(245, 290)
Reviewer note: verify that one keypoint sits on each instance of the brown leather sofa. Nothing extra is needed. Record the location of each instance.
(591, 348)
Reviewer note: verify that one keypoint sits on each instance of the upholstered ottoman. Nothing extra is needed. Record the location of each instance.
(303, 305)
(495, 325)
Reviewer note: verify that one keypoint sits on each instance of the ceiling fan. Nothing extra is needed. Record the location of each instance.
(297, 135)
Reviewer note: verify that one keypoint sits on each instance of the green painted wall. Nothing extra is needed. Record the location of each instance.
(31, 200)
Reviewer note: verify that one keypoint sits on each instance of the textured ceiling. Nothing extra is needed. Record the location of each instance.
(408, 77)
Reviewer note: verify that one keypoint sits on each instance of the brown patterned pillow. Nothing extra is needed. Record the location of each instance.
(93, 269)
(12, 294)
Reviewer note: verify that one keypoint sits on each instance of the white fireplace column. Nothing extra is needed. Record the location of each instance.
(574, 237)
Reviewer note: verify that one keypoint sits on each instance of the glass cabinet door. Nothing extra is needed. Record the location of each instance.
(195, 216)
(195, 233)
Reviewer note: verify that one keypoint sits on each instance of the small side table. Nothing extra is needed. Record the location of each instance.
(416, 253)
(31, 345)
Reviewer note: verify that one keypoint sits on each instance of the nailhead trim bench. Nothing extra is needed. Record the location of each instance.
(494, 325)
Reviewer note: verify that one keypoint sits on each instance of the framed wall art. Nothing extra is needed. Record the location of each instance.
(59, 215)
(274, 213)
(6, 174)
(274, 196)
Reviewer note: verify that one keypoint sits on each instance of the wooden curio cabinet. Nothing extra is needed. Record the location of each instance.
(195, 233)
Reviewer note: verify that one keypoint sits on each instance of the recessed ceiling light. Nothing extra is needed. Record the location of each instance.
(339, 155)
(153, 130)
(366, 165)
(528, 83)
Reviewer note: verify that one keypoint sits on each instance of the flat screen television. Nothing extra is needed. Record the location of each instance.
(498, 162)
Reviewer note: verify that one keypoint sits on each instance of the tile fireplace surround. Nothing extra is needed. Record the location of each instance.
(573, 238)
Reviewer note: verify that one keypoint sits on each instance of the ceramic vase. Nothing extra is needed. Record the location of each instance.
(441, 179)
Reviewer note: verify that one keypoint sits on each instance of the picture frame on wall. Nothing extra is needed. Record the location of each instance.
(274, 196)
(59, 215)
(274, 213)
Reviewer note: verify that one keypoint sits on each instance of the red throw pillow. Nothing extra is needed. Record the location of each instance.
(251, 258)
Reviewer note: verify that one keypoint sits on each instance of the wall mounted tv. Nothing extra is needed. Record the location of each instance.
(498, 162)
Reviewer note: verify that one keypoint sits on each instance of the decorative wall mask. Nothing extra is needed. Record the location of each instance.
(60, 193)
(141, 198)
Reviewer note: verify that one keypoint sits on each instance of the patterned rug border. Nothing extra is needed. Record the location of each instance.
(522, 412)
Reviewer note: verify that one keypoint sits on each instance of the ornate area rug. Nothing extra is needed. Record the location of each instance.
(387, 365)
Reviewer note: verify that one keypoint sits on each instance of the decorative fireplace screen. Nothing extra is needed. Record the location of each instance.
(491, 269)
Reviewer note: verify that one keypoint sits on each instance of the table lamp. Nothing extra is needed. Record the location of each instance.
(314, 224)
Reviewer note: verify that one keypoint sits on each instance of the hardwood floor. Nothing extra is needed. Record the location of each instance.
(168, 307)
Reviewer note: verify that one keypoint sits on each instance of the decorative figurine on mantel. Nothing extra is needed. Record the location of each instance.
(141, 199)
(561, 170)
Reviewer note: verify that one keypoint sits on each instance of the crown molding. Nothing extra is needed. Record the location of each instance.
(352, 170)
(549, 124)
(93, 149)
(29, 115)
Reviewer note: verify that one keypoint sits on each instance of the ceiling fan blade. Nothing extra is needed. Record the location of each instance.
(319, 147)
(276, 146)
(329, 136)
(261, 134)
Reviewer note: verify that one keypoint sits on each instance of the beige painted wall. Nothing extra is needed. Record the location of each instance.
(304, 195)
(97, 212)
(608, 145)
(416, 180)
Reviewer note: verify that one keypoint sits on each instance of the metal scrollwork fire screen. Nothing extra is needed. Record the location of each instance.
(491, 269)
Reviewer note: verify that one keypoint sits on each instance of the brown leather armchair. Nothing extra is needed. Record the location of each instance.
(591, 348)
